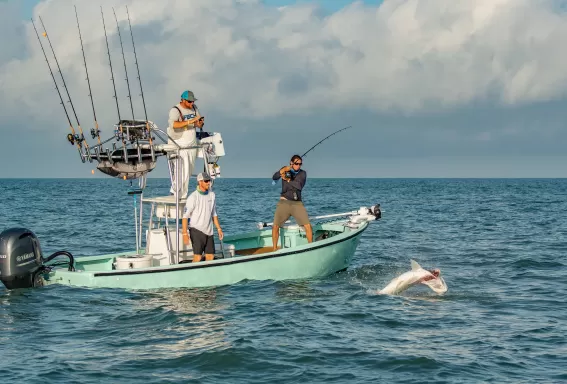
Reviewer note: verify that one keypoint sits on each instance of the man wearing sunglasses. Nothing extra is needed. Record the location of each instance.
(200, 214)
(290, 203)
(184, 119)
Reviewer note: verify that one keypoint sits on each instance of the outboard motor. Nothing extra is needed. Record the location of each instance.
(20, 259)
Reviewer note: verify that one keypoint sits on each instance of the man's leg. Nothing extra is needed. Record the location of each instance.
(275, 236)
(210, 248)
(185, 173)
(173, 175)
(198, 243)
(299, 213)
(309, 232)
(189, 166)
(280, 217)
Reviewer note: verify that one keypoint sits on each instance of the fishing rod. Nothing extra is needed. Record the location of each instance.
(59, 93)
(141, 89)
(118, 133)
(80, 138)
(313, 147)
(334, 133)
(110, 63)
(124, 59)
(137, 67)
(95, 132)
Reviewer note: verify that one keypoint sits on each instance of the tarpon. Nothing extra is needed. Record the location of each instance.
(417, 275)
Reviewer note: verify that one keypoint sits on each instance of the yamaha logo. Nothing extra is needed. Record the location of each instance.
(24, 257)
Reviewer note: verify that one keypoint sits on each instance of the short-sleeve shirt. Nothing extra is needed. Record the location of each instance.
(181, 136)
(201, 208)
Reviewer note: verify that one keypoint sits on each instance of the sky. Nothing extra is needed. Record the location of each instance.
(431, 88)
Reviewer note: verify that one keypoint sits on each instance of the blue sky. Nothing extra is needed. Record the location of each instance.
(433, 88)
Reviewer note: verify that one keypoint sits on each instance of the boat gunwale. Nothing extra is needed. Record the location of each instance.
(227, 261)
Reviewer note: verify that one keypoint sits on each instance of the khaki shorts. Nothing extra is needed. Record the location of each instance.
(287, 208)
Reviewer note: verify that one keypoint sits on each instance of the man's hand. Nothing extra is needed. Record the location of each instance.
(200, 122)
(221, 235)
(186, 240)
(283, 172)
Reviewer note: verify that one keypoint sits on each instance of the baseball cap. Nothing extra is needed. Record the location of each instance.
(203, 177)
(188, 95)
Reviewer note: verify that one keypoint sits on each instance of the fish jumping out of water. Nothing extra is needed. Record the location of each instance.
(417, 275)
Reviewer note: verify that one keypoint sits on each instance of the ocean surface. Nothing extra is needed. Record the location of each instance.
(501, 246)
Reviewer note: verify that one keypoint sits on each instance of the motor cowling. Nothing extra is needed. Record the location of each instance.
(20, 258)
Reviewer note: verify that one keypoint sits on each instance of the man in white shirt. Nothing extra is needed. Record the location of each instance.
(200, 213)
(184, 119)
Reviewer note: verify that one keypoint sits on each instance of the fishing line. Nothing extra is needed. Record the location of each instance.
(95, 132)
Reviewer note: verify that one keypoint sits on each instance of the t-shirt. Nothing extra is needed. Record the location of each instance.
(181, 136)
(201, 208)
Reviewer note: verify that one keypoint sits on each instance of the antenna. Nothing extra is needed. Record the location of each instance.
(110, 63)
(81, 139)
(137, 67)
(70, 137)
(124, 59)
(95, 132)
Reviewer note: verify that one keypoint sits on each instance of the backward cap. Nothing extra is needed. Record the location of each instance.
(203, 177)
(188, 95)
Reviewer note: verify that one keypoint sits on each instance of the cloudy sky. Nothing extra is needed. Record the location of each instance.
(432, 88)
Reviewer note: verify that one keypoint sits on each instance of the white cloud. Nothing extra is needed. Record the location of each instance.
(243, 58)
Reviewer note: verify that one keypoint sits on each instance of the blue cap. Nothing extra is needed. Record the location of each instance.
(188, 95)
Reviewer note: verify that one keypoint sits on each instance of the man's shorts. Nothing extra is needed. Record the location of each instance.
(201, 242)
(286, 209)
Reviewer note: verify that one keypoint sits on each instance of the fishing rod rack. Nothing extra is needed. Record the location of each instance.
(132, 150)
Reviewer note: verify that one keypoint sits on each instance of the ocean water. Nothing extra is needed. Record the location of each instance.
(501, 246)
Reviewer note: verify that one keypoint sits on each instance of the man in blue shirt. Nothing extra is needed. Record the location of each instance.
(290, 203)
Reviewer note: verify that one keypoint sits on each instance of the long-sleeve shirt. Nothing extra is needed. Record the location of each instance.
(291, 190)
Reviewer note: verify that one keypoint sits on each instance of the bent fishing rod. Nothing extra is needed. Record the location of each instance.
(334, 133)
(72, 138)
(95, 132)
(81, 138)
(313, 147)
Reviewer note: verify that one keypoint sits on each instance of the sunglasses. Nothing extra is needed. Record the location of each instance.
(206, 181)
(297, 163)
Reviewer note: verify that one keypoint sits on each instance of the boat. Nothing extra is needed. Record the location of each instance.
(160, 264)
(159, 258)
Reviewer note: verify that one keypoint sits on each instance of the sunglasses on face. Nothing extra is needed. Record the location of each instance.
(206, 181)
(297, 163)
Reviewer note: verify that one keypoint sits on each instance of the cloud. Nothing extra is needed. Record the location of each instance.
(243, 58)
(438, 64)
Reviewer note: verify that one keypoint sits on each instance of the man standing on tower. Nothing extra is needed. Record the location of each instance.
(184, 119)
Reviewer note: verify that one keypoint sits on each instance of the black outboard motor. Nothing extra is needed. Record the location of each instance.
(20, 259)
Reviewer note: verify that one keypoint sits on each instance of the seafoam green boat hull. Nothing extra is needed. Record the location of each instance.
(318, 259)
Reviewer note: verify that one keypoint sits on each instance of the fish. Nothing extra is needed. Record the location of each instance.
(417, 275)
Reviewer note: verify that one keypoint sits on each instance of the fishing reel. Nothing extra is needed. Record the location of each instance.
(95, 133)
(76, 138)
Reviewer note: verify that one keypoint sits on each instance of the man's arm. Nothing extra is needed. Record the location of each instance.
(186, 124)
(219, 229)
(281, 173)
(174, 116)
(216, 221)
